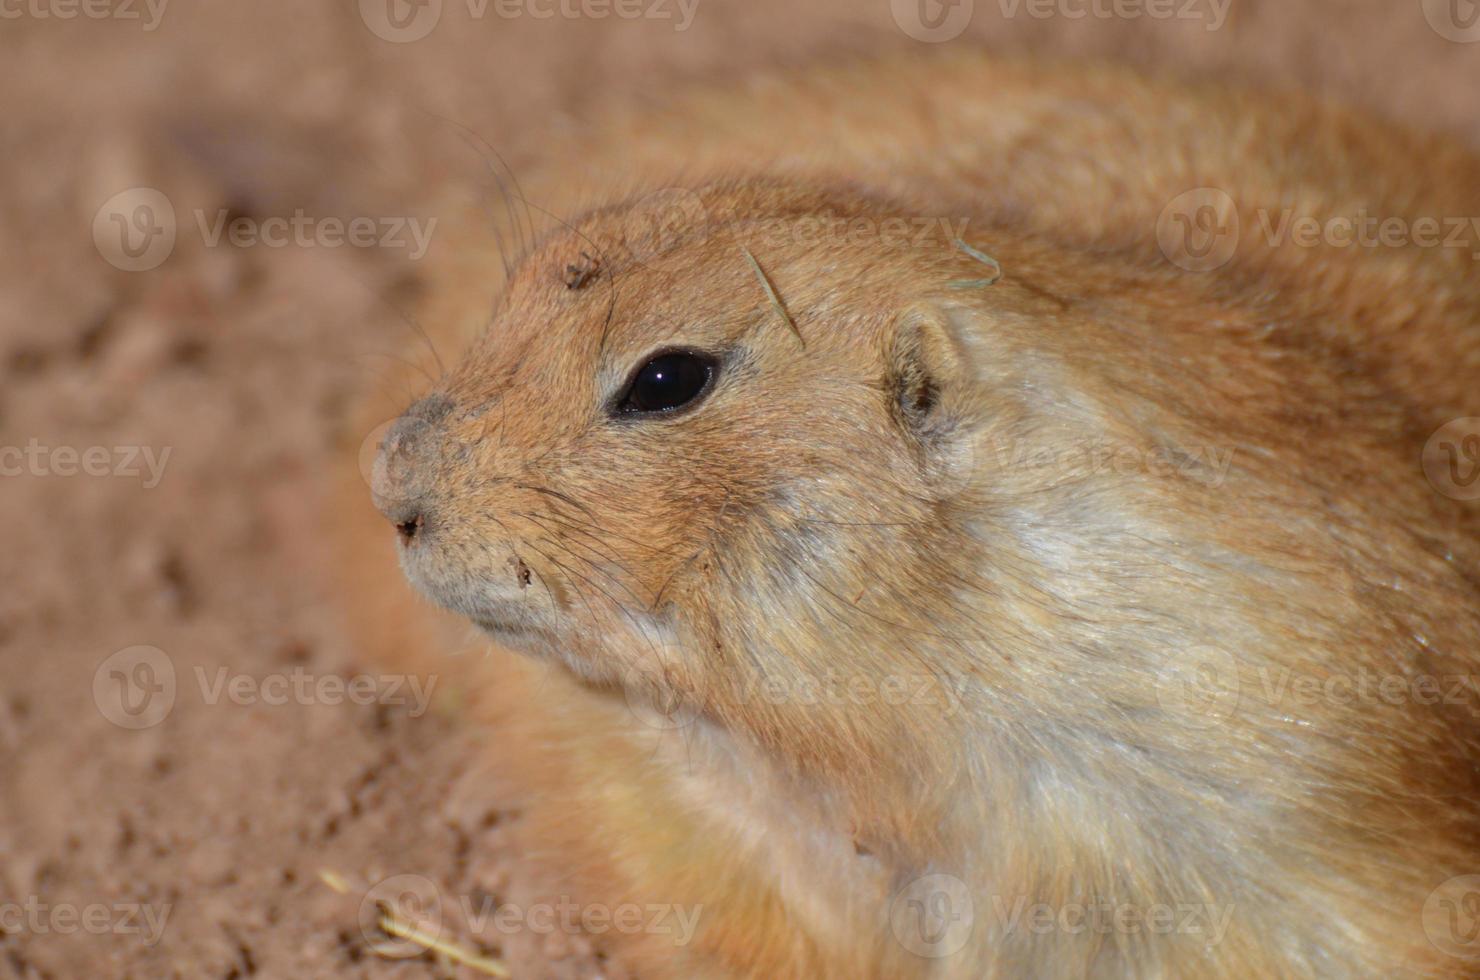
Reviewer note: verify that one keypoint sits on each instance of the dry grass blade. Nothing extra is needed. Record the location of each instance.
(984, 259)
(774, 296)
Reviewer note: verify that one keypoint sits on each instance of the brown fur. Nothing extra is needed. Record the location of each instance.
(859, 502)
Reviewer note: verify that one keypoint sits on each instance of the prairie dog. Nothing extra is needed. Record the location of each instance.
(919, 535)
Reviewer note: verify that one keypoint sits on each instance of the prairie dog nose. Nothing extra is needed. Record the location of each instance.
(407, 464)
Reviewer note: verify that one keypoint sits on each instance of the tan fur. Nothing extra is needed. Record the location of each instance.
(797, 527)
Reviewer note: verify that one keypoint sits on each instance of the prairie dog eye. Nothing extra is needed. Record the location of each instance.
(668, 382)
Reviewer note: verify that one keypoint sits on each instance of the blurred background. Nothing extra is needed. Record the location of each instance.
(211, 218)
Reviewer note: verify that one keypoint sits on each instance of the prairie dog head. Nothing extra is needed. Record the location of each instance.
(705, 442)
(728, 451)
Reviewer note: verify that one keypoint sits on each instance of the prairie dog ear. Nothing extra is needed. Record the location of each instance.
(928, 372)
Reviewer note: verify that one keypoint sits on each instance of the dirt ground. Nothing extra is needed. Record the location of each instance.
(180, 756)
